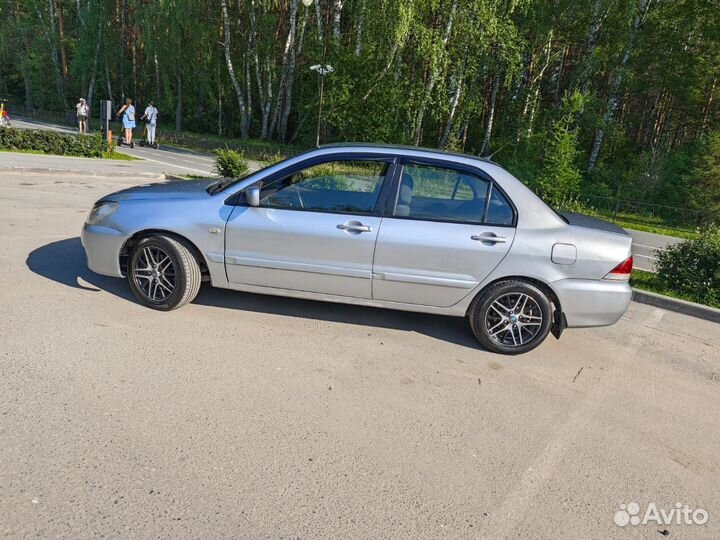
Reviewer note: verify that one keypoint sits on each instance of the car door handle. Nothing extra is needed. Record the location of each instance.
(491, 238)
(354, 226)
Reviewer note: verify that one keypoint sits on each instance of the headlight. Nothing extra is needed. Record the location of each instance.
(100, 211)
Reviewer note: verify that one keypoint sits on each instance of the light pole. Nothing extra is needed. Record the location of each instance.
(322, 70)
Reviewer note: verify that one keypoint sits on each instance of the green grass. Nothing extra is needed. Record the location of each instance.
(648, 281)
(120, 156)
(16, 151)
(253, 149)
(677, 233)
(107, 155)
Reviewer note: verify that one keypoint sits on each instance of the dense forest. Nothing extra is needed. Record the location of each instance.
(613, 98)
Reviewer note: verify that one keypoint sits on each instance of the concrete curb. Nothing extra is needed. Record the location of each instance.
(679, 306)
(82, 172)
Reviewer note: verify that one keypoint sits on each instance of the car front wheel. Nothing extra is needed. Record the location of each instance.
(511, 317)
(163, 273)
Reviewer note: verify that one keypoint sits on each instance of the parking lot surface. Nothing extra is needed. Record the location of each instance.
(244, 416)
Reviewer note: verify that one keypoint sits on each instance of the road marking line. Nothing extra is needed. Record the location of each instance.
(645, 256)
(649, 247)
(178, 166)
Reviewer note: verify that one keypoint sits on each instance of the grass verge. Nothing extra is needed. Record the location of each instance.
(687, 235)
(648, 281)
(120, 156)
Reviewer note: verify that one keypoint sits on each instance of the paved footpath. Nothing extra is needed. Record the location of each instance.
(167, 159)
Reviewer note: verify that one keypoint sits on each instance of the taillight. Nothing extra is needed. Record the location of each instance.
(622, 271)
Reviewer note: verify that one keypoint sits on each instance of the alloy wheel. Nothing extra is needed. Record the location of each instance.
(154, 274)
(514, 319)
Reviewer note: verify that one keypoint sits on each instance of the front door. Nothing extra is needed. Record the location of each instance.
(446, 232)
(314, 231)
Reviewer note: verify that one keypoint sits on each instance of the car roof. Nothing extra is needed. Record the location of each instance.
(405, 148)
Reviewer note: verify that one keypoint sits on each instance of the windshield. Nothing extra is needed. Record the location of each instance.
(225, 183)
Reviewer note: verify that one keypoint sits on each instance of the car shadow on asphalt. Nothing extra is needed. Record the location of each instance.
(64, 262)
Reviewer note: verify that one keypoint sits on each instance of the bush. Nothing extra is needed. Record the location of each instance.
(230, 164)
(692, 268)
(52, 142)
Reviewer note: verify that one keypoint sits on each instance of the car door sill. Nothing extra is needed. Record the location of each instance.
(295, 266)
(426, 280)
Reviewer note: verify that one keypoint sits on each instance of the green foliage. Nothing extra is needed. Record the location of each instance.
(705, 192)
(51, 142)
(575, 205)
(692, 268)
(230, 164)
(560, 177)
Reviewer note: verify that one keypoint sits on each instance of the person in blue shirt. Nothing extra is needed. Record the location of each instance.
(128, 120)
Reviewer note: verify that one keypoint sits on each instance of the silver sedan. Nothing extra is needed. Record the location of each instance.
(385, 226)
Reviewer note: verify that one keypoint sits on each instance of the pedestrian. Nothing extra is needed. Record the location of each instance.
(128, 120)
(82, 110)
(150, 115)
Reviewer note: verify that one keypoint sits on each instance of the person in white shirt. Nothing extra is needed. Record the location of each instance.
(151, 115)
(82, 111)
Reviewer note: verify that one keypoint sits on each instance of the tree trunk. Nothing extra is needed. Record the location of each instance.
(453, 110)
(290, 82)
(29, 104)
(107, 82)
(337, 16)
(614, 94)
(359, 29)
(434, 72)
(61, 35)
(179, 107)
(51, 37)
(244, 127)
(282, 87)
(593, 36)
(157, 76)
(487, 140)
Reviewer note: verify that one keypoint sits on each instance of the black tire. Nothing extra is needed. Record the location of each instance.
(186, 276)
(510, 331)
(132, 145)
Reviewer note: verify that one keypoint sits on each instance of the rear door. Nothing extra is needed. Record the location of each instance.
(445, 230)
(314, 231)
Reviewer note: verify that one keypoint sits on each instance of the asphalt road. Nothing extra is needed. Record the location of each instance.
(243, 416)
(646, 246)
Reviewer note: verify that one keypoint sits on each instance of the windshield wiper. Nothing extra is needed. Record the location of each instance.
(218, 186)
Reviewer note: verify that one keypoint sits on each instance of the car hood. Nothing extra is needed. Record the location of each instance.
(177, 189)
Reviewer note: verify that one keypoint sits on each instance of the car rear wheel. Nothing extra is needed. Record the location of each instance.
(163, 273)
(511, 317)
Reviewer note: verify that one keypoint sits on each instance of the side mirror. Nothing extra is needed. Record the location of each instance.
(252, 196)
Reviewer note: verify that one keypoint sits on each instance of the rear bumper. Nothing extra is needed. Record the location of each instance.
(102, 249)
(588, 302)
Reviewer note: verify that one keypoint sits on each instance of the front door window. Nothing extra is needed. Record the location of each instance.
(341, 187)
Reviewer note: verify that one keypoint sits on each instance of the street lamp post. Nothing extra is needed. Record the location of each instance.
(322, 70)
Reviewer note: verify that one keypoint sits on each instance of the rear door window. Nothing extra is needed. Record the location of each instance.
(440, 194)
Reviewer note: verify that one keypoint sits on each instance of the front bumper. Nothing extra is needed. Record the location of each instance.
(102, 249)
(587, 302)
